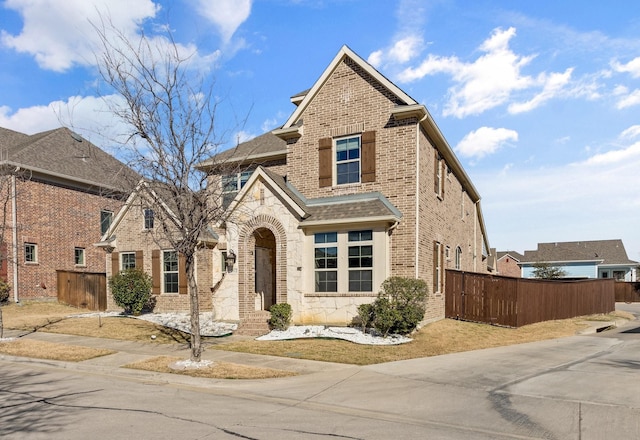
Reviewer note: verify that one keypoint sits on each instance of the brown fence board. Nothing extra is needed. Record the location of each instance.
(627, 291)
(87, 290)
(516, 302)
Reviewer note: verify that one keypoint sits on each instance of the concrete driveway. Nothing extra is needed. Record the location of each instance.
(582, 387)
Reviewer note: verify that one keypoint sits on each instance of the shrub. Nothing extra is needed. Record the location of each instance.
(4, 291)
(399, 307)
(131, 290)
(280, 316)
(366, 315)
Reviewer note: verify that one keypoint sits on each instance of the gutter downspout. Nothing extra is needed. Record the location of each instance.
(417, 192)
(475, 237)
(14, 232)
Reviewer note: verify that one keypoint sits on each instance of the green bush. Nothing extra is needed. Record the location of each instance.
(4, 291)
(131, 290)
(280, 316)
(399, 307)
(366, 315)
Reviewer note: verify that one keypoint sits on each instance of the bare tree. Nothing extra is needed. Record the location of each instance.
(169, 109)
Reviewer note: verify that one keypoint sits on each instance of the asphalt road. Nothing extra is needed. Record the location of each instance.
(582, 387)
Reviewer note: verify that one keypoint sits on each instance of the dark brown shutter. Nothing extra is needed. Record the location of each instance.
(325, 164)
(155, 272)
(139, 260)
(182, 275)
(369, 156)
(441, 281)
(435, 266)
(444, 178)
(115, 263)
(436, 164)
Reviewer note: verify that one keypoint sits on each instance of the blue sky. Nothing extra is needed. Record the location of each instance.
(539, 100)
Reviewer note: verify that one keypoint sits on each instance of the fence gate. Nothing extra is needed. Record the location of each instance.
(86, 290)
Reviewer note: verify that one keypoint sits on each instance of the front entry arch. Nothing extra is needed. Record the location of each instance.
(266, 232)
(265, 267)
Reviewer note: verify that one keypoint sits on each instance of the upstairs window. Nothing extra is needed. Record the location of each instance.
(106, 217)
(149, 217)
(79, 256)
(348, 160)
(459, 258)
(30, 253)
(233, 183)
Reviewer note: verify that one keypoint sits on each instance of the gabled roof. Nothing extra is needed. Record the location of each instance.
(259, 149)
(153, 191)
(513, 254)
(354, 208)
(601, 252)
(64, 157)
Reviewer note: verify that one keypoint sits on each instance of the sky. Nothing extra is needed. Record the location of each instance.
(540, 101)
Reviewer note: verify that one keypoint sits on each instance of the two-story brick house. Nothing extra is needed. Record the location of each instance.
(59, 194)
(358, 185)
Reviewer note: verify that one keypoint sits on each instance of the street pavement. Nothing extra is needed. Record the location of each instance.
(582, 387)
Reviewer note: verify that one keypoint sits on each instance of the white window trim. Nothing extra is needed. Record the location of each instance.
(334, 152)
(381, 261)
(35, 253)
(75, 256)
(165, 272)
(122, 256)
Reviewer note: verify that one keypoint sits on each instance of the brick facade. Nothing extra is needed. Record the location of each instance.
(57, 220)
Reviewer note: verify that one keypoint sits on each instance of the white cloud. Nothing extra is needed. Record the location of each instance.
(552, 86)
(621, 156)
(87, 115)
(491, 80)
(60, 34)
(400, 52)
(629, 100)
(632, 67)
(226, 15)
(484, 141)
(631, 132)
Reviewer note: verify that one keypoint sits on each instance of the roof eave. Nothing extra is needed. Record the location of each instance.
(337, 222)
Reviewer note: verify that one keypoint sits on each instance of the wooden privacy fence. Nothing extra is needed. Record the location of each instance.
(627, 291)
(87, 290)
(515, 302)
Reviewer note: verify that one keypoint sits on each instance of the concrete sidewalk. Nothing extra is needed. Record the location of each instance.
(128, 352)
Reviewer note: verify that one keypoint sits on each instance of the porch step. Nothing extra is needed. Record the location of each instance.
(254, 324)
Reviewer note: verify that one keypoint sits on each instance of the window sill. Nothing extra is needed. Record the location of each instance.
(31, 263)
(341, 295)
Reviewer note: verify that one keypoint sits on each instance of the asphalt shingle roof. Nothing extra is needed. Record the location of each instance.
(607, 251)
(63, 153)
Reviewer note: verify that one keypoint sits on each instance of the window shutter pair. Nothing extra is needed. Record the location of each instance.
(156, 273)
(367, 159)
(115, 262)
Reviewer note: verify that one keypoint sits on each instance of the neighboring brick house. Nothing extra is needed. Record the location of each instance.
(583, 259)
(507, 263)
(136, 240)
(358, 185)
(59, 194)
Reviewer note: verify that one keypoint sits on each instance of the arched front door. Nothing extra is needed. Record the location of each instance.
(265, 264)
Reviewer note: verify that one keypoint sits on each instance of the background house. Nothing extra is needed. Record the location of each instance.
(508, 263)
(583, 259)
(59, 194)
(358, 185)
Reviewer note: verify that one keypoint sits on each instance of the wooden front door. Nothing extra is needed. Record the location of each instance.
(264, 276)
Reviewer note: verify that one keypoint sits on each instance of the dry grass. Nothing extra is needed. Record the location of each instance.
(55, 318)
(442, 337)
(217, 370)
(31, 316)
(50, 350)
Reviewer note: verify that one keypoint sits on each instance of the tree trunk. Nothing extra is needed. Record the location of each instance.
(194, 307)
(1, 326)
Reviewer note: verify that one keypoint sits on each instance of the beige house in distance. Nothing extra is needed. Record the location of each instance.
(357, 186)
